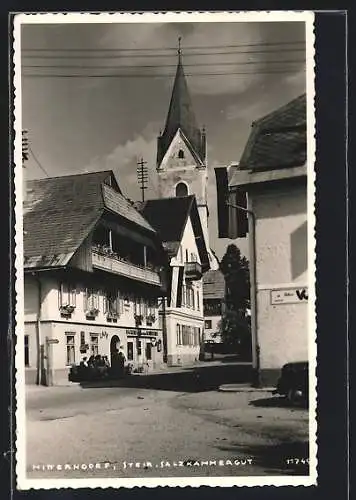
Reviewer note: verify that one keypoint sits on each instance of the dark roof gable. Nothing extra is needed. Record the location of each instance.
(169, 217)
(278, 140)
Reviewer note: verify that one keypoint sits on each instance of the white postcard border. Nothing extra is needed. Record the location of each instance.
(20, 420)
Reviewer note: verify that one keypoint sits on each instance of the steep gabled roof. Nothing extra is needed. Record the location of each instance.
(169, 218)
(180, 116)
(278, 140)
(213, 285)
(60, 212)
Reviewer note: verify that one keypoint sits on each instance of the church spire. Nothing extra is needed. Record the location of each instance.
(180, 115)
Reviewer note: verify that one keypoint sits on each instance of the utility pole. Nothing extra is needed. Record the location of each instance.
(142, 176)
(25, 156)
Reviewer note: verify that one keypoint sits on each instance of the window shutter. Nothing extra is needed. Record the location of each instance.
(222, 193)
(180, 287)
(85, 299)
(73, 298)
(115, 308)
(169, 286)
(121, 302)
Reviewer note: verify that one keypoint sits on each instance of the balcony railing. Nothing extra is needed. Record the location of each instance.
(193, 270)
(124, 268)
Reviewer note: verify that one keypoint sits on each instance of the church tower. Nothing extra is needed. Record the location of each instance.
(182, 153)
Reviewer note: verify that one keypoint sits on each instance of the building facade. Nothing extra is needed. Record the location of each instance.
(94, 277)
(214, 303)
(271, 183)
(182, 235)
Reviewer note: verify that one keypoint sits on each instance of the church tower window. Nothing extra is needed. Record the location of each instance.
(181, 154)
(181, 189)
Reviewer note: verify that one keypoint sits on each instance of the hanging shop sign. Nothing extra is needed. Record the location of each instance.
(289, 296)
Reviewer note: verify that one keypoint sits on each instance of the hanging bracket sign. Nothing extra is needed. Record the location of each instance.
(289, 296)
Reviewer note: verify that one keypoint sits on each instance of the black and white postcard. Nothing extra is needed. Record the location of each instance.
(165, 250)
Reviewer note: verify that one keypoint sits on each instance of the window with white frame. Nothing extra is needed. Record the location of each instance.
(183, 295)
(151, 307)
(91, 301)
(179, 334)
(66, 296)
(94, 344)
(139, 306)
(189, 296)
(112, 303)
(70, 348)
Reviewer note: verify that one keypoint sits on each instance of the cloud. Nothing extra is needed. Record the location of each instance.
(123, 161)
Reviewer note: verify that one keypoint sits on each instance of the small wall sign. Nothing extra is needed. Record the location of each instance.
(289, 296)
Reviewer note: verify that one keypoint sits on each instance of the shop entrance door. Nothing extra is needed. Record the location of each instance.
(114, 349)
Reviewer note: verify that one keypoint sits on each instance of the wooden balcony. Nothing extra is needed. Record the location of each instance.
(193, 271)
(125, 268)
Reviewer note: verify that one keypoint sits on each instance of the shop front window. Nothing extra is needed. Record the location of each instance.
(130, 351)
(179, 334)
(94, 344)
(148, 351)
(70, 348)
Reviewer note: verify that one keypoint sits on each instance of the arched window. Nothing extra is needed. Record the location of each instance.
(181, 153)
(181, 189)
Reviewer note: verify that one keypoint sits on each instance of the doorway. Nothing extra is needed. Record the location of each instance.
(114, 348)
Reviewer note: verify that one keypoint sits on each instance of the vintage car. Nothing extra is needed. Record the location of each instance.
(293, 382)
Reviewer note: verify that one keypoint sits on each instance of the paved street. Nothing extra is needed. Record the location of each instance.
(159, 428)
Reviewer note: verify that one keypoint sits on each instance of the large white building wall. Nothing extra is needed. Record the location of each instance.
(54, 326)
(184, 316)
(281, 272)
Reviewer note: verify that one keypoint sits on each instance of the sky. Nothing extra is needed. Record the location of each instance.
(91, 123)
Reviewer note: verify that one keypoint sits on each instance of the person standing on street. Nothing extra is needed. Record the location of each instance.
(122, 361)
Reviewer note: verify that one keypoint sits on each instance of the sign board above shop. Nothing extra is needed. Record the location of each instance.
(289, 296)
(134, 332)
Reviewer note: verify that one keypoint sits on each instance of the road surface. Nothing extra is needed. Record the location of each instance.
(155, 428)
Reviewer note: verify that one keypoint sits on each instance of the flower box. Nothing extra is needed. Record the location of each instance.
(91, 313)
(151, 318)
(66, 310)
(138, 319)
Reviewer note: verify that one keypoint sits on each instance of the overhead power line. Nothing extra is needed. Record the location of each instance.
(230, 63)
(37, 161)
(121, 56)
(133, 75)
(147, 49)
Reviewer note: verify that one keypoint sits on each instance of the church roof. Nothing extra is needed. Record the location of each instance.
(180, 116)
